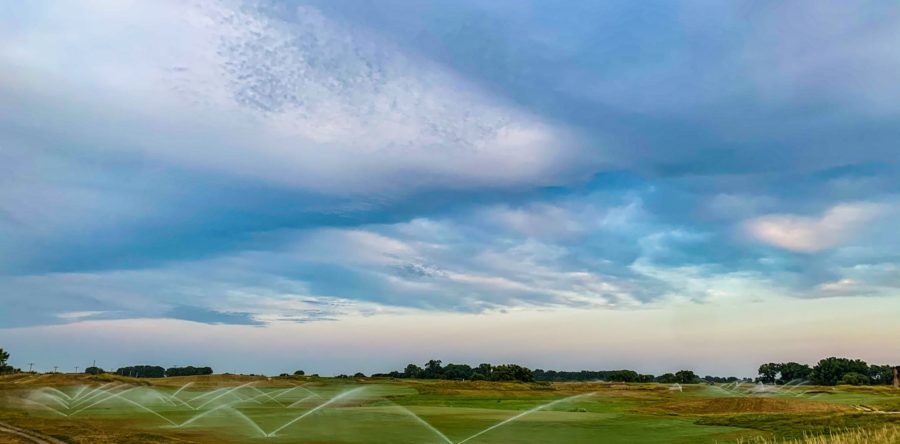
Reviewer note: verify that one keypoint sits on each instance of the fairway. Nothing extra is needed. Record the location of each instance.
(227, 408)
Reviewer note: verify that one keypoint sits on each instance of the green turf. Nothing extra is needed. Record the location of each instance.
(385, 411)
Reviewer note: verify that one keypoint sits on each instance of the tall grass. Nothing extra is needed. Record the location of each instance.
(885, 435)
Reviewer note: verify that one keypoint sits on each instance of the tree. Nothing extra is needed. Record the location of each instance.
(4, 368)
(686, 377)
(666, 378)
(881, 374)
(359, 375)
(433, 369)
(768, 373)
(188, 371)
(413, 371)
(299, 373)
(512, 372)
(457, 372)
(853, 378)
(792, 371)
(142, 371)
(830, 371)
(93, 370)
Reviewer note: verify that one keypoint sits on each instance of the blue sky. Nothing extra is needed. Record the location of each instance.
(233, 169)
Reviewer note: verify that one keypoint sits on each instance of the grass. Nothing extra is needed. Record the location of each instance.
(231, 408)
(884, 435)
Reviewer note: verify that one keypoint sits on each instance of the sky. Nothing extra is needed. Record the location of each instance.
(342, 186)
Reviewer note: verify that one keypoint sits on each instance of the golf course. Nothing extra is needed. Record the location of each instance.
(108, 408)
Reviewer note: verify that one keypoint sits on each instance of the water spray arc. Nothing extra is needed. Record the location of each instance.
(525, 413)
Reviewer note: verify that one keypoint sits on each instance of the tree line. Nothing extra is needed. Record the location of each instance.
(155, 371)
(828, 371)
(434, 369)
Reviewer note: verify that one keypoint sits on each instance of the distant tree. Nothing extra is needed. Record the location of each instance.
(881, 374)
(830, 371)
(853, 378)
(142, 371)
(359, 375)
(433, 369)
(283, 375)
(188, 371)
(485, 370)
(792, 371)
(94, 370)
(768, 373)
(686, 377)
(645, 378)
(512, 372)
(299, 373)
(413, 371)
(666, 378)
(457, 372)
(4, 356)
(623, 376)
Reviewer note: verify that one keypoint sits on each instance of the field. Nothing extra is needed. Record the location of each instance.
(229, 408)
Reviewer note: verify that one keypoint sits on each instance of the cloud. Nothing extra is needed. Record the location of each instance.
(827, 52)
(805, 234)
(303, 101)
(205, 316)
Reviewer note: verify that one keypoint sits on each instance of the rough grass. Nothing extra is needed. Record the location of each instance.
(884, 435)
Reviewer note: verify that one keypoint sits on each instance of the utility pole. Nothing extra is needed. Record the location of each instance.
(896, 377)
(54, 368)
(76, 369)
(30, 366)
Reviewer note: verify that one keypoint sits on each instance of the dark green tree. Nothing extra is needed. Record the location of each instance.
(433, 369)
(830, 371)
(299, 373)
(686, 377)
(188, 371)
(413, 371)
(666, 378)
(457, 372)
(142, 371)
(792, 371)
(94, 370)
(881, 374)
(512, 372)
(853, 378)
(768, 373)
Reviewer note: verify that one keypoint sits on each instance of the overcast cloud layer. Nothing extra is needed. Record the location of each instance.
(260, 163)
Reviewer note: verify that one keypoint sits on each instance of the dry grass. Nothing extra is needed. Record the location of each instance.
(885, 435)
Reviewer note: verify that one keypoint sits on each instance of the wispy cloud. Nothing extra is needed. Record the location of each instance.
(812, 234)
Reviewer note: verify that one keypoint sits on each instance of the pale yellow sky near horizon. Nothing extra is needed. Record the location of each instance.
(722, 338)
